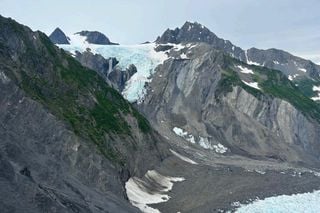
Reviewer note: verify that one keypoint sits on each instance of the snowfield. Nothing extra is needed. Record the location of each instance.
(140, 194)
(143, 56)
(306, 202)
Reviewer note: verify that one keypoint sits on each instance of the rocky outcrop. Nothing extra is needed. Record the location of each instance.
(196, 96)
(195, 32)
(58, 37)
(107, 68)
(68, 141)
(95, 37)
(295, 68)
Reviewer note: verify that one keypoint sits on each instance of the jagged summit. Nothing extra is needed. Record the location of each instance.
(59, 37)
(196, 32)
(95, 37)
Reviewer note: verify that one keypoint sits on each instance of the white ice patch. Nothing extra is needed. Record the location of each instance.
(245, 70)
(302, 69)
(143, 56)
(219, 148)
(306, 202)
(183, 56)
(316, 89)
(252, 84)
(186, 159)
(184, 134)
(204, 143)
(141, 193)
(292, 77)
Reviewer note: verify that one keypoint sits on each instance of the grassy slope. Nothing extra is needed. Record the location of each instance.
(72, 92)
(273, 83)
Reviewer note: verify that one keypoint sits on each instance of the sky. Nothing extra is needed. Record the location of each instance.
(291, 25)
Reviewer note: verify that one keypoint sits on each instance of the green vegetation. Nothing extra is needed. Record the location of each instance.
(273, 83)
(76, 94)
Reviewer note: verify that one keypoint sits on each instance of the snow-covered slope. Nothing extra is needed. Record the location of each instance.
(143, 56)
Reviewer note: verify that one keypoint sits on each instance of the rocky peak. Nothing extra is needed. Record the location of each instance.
(59, 37)
(95, 37)
(195, 32)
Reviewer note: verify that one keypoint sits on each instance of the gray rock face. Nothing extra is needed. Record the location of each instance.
(187, 95)
(95, 37)
(107, 68)
(289, 64)
(195, 32)
(43, 161)
(50, 161)
(58, 37)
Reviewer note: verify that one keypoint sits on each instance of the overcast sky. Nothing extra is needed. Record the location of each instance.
(292, 25)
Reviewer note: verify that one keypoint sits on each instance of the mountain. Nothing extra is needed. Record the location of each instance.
(205, 131)
(95, 37)
(69, 142)
(195, 32)
(303, 72)
(237, 130)
(58, 37)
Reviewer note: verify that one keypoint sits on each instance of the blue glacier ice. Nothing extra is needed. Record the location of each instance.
(143, 56)
(306, 202)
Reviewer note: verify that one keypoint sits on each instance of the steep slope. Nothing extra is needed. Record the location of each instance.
(303, 72)
(210, 98)
(237, 131)
(68, 141)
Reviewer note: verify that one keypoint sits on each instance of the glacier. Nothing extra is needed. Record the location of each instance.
(306, 202)
(143, 56)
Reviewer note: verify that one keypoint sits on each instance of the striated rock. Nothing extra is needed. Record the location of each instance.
(69, 142)
(107, 68)
(205, 97)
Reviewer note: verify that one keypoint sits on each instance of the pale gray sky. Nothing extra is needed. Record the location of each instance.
(292, 25)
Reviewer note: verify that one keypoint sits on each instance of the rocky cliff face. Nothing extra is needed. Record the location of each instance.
(68, 141)
(303, 72)
(248, 109)
(58, 37)
(113, 75)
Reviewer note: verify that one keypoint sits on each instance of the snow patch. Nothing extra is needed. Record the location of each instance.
(250, 62)
(291, 77)
(184, 134)
(184, 56)
(141, 193)
(302, 69)
(186, 159)
(252, 84)
(316, 89)
(305, 202)
(276, 62)
(245, 70)
(219, 148)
